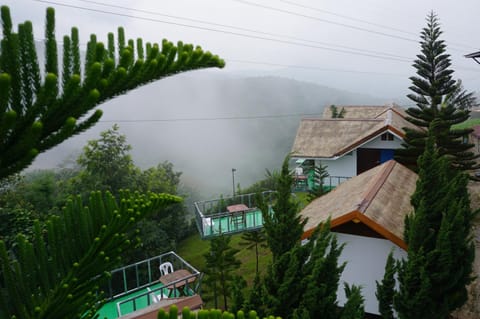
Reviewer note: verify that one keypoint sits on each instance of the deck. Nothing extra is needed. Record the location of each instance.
(138, 288)
(230, 215)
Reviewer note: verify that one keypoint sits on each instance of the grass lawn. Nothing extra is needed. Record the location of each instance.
(193, 248)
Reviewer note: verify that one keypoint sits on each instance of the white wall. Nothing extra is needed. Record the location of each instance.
(344, 166)
(366, 258)
(378, 143)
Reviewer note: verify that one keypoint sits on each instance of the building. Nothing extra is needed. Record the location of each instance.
(366, 137)
(367, 213)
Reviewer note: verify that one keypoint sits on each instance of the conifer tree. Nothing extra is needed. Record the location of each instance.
(220, 264)
(254, 239)
(59, 272)
(284, 227)
(37, 112)
(440, 99)
(433, 278)
(386, 289)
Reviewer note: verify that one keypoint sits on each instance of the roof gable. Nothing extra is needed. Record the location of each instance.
(328, 138)
(379, 198)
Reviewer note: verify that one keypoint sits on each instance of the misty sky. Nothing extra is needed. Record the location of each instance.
(365, 47)
(293, 38)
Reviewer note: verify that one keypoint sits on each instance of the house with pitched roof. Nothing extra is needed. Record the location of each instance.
(366, 137)
(366, 213)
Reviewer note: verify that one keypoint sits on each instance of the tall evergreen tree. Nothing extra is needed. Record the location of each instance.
(283, 227)
(433, 279)
(386, 289)
(439, 99)
(39, 112)
(220, 264)
(254, 239)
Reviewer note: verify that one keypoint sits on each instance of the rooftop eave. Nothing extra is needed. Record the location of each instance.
(357, 215)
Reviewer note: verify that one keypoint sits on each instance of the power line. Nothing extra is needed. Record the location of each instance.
(229, 32)
(239, 28)
(313, 67)
(327, 21)
(364, 21)
(249, 117)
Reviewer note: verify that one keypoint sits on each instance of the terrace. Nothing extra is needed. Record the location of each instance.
(230, 215)
(139, 289)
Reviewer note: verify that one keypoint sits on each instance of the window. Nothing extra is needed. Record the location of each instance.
(387, 136)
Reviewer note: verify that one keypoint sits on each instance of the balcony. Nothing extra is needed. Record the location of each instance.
(139, 289)
(305, 183)
(231, 214)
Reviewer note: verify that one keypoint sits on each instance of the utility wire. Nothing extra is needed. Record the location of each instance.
(239, 28)
(229, 32)
(193, 119)
(364, 21)
(328, 21)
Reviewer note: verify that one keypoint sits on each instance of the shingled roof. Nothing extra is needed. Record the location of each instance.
(379, 198)
(329, 138)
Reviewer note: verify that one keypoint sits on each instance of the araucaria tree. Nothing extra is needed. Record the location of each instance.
(39, 112)
(440, 98)
(433, 278)
(57, 275)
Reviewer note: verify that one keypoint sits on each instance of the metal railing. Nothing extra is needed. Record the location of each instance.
(329, 183)
(213, 219)
(142, 274)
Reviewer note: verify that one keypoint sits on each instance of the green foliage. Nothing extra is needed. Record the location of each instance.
(386, 289)
(319, 174)
(220, 264)
(441, 103)
(106, 164)
(354, 307)
(37, 113)
(432, 283)
(57, 274)
(284, 227)
(254, 239)
(336, 113)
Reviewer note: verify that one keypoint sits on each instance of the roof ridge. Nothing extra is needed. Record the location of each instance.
(377, 185)
(344, 119)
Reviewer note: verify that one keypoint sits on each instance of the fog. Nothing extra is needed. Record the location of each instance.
(208, 122)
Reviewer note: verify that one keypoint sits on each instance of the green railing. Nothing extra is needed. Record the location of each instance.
(213, 218)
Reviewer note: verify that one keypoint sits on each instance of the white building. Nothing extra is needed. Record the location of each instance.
(365, 138)
(367, 213)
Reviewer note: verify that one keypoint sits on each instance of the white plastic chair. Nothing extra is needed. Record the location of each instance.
(156, 298)
(166, 268)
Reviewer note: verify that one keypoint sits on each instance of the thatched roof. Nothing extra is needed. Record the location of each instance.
(327, 138)
(378, 198)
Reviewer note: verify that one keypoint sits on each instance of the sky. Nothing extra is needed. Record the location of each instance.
(364, 46)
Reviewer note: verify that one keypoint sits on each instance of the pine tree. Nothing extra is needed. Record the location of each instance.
(254, 239)
(354, 308)
(283, 227)
(439, 99)
(39, 112)
(386, 289)
(58, 273)
(433, 279)
(220, 264)
(319, 174)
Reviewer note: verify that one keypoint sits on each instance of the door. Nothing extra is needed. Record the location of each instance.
(367, 158)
